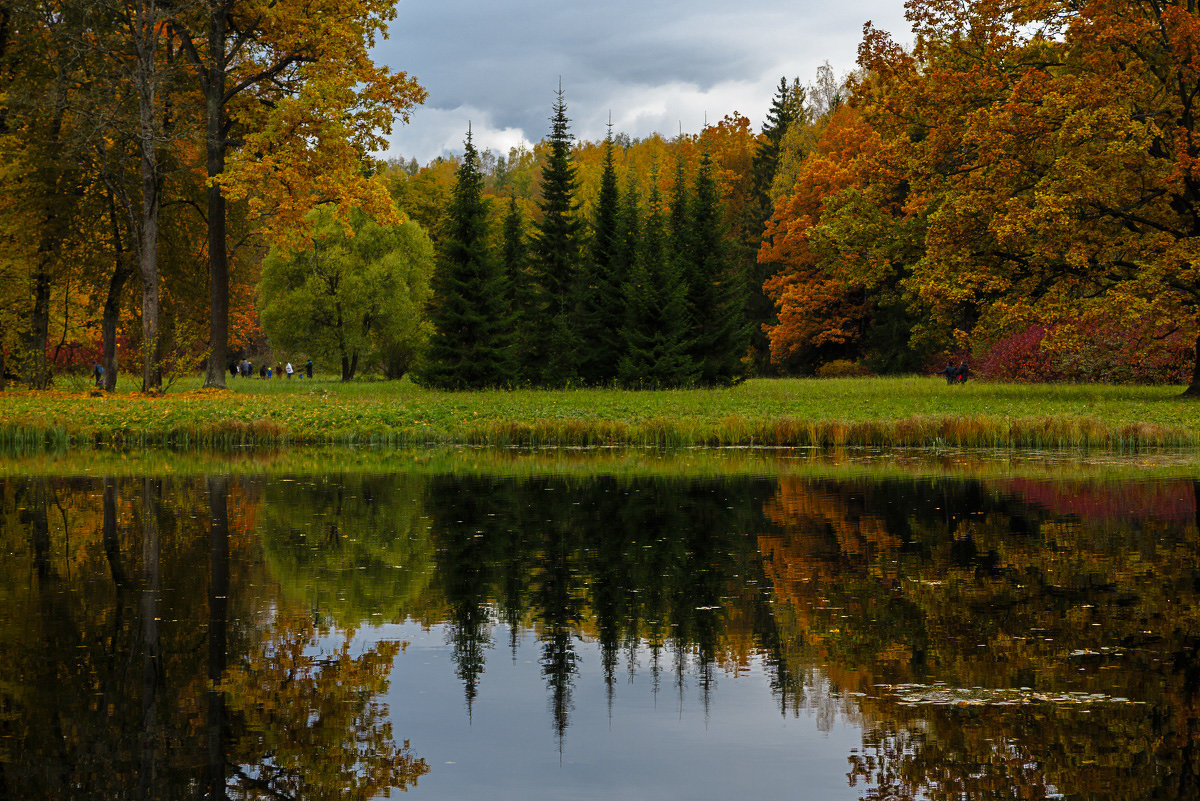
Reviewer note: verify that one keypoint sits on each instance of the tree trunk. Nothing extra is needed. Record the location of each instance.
(1193, 390)
(218, 258)
(148, 136)
(39, 330)
(151, 374)
(48, 247)
(109, 323)
(112, 303)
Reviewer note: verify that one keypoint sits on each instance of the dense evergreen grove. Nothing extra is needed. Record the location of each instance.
(640, 297)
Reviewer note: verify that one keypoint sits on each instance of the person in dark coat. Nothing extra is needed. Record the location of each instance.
(308, 368)
(955, 375)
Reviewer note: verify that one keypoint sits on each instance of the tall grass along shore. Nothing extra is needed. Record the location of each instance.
(900, 412)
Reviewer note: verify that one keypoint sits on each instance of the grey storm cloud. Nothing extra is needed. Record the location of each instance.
(653, 65)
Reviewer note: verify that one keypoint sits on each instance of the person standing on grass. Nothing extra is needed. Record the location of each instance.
(308, 368)
(98, 374)
(289, 369)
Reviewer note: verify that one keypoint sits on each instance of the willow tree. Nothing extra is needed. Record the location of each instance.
(352, 299)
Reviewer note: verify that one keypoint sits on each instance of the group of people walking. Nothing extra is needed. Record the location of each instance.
(246, 370)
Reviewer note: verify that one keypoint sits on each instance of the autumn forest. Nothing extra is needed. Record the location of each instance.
(191, 187)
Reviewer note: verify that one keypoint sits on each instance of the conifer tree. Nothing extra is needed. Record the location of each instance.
(787, 108)
(556, 256)
(656, 322)
(720, 334)
(629, 227)
(521, 298)
(600, 309)
(681, 246)
(471, 340)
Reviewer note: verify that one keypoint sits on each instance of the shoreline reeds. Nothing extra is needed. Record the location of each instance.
(1041, 433)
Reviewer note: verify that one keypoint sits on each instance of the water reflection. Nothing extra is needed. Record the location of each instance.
(146, 655)
(223, 637)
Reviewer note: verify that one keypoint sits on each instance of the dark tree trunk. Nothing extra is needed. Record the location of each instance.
(218, 258)
(112, 303)
(148, 265)
(1193, 390)
(349, 365)
(49, 245)
(39, 329)
(109, 323)
(147, 76)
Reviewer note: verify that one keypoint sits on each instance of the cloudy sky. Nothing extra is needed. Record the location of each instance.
(655, 65)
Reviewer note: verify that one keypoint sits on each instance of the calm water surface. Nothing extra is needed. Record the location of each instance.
(556, 637)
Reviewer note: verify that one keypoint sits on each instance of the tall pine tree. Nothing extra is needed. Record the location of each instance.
(471, 343)
(521, 298)
(717, 298)
(556, 259)
(787, 108)
(656, 322)
(600, 307)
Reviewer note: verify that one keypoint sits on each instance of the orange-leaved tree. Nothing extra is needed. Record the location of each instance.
(845, 242)
(1053, 148)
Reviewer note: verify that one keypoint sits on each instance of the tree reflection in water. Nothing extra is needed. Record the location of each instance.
(103, 698)
(990, 638)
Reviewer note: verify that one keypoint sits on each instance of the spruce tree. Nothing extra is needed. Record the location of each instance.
(471, 342)
(656, 323)
(600, 307)
(720, 334)
(521, 297)
(629, 227)
(787, 108)
(682, 249)
(556, 257)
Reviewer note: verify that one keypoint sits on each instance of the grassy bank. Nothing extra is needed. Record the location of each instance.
(904, 412)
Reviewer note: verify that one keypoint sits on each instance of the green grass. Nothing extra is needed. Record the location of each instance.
(886, 412)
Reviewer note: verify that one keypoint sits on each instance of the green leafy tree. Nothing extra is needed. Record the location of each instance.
(470, 314)
(353, 299)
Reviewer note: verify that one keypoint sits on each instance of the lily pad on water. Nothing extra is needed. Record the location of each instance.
(944, 695)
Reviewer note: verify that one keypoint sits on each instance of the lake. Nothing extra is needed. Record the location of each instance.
(577, 627)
